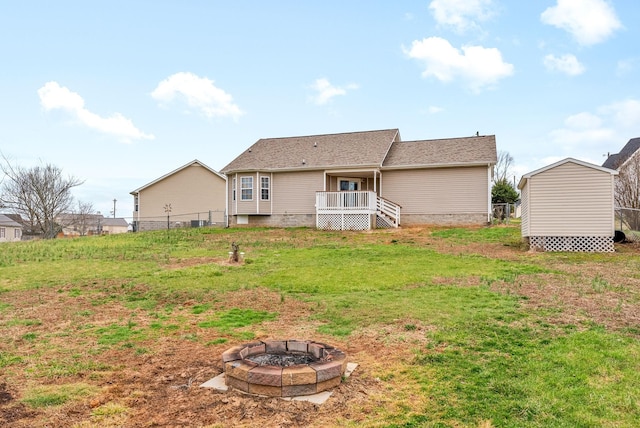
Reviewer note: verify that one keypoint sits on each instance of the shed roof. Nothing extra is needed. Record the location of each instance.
(527, 176)
(616, 160)
(193, 162)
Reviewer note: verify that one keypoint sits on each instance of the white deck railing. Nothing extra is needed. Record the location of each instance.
(389, 210)
(360, 203)
(346, 201)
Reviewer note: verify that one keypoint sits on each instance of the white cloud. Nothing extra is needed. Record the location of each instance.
(611, 126)
(625, 114)
(584, 120)
(435, 109)
(480, 67)
(567, 64)
(588, 21)
(200, 93)
(325, 91)
(582, 129)
(53, 96)
(462, 15)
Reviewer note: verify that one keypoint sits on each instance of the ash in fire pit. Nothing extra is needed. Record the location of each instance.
(283, 368)
(282, 360)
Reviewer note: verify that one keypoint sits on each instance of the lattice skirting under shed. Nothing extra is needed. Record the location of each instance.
(343, 221)
(600, 244)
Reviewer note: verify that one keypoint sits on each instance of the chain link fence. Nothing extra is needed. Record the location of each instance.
(627, 220)
(213, 218)
(502, 213)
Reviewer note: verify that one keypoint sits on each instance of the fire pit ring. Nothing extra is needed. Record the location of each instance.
(283, 368)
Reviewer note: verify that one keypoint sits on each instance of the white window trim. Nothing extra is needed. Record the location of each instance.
(268, 188)
(233, 189)
(242, 198)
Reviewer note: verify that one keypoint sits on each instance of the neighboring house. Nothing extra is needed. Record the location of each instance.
(617, 160)
(568, 206)
(90, 224)
(361, 180)
(192, 195)
(112, 226)
(10, 230)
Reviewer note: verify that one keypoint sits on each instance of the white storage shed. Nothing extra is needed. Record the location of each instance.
(568, 206)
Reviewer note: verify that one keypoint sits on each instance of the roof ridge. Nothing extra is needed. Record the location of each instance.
(449, 138)
(330, 134)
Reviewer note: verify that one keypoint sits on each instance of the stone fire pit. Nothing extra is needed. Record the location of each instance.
(283, 368)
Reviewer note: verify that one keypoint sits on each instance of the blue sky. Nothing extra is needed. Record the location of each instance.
(119, 93)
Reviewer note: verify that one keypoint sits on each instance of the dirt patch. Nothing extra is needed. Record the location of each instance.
(154, 381)
(160, 385)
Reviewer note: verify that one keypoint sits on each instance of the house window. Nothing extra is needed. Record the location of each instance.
(264, 188)
(246, 188)
(135, 203)
(233, 189)
(2, 232)
(16, 233)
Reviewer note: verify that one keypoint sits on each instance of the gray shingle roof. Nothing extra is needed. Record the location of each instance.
(8, 222)
(449, 151)
(353, 149)
(362, 149)
(118, 221)
(614, 161)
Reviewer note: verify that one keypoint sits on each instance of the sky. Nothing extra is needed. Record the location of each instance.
(120, 93)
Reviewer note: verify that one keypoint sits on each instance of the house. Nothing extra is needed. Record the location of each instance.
(10, 230)
(361, 180)
(113, 225)
(192, 195)
(568, 206)
(627, 192)
(617, 160)
(74, 224)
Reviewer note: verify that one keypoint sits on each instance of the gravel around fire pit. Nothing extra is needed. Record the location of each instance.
(282, 360)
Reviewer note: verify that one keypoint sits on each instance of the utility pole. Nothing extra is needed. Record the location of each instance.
(114, 207)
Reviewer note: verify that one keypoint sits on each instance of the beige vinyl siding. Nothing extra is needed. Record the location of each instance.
(9, 234)
(191, 190)
(264, 206)
(365, 183)
(295, 192)
(246, 206)
(438, 190)
(571, 200)
(524, 207)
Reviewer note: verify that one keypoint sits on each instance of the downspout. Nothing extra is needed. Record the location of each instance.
(226, 202)
(235, 189)
(271, 194)
(489, 193)
(258, 187)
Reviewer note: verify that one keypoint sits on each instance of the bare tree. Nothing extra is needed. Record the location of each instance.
(39, 194)
(83, 217)
(502, 169)
(627, 191)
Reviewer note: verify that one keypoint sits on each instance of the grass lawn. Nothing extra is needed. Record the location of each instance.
(451, 327)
